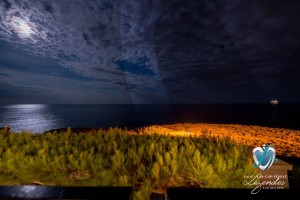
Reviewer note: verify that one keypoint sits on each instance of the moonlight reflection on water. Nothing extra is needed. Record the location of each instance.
(29, 117)
(39, 118)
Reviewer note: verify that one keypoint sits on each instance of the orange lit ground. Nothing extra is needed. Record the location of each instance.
(286, 141)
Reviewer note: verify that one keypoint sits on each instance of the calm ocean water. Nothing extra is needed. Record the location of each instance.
(39, 118)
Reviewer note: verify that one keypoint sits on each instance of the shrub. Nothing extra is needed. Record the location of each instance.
(117, 158)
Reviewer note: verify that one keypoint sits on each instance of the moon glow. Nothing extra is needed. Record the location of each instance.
(23, 28)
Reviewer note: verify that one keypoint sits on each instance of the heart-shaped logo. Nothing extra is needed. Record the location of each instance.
(264, 157)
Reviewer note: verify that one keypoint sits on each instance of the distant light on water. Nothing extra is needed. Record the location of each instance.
(31, 117)
(27, 106)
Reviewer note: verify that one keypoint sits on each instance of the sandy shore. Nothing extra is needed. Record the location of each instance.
(286, 141)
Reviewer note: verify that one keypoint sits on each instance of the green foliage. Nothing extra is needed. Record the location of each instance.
(155, 171)
(116, 158)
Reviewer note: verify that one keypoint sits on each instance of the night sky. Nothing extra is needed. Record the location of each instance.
(149, 51)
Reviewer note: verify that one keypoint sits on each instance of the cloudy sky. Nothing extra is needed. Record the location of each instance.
(150, 51)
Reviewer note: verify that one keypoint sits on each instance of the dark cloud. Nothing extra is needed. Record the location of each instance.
(87, 39)
(288, 85)
(152, 51)
(268, 7)
(7, 4)
(212, 47)
(106, 6)
(3, 74)
(196, 55)
(99, 31)
(265, 43)
(48, 7)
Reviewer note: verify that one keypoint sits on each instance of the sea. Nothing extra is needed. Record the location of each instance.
(39, 118)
